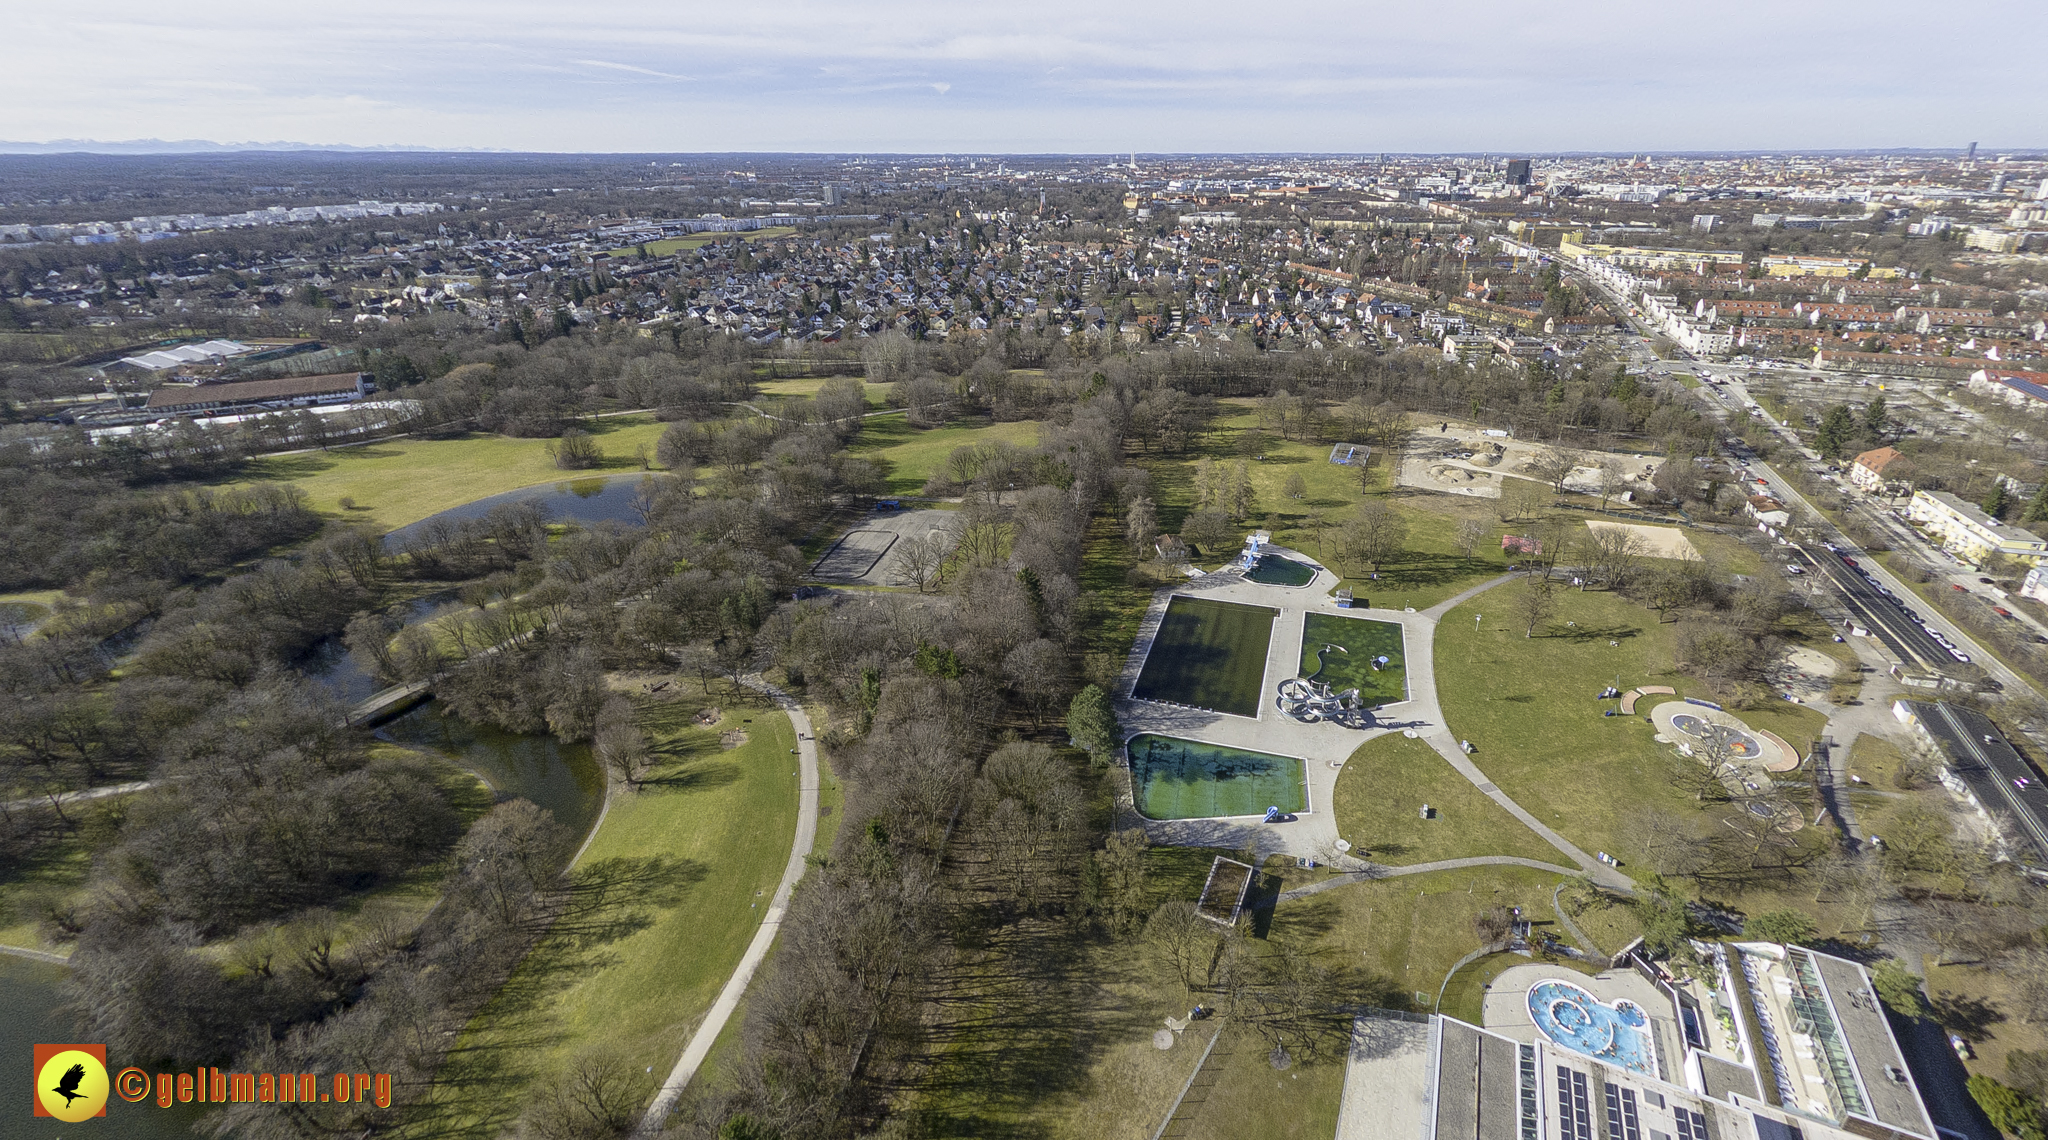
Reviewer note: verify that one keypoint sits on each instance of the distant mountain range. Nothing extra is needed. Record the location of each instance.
(204, 146)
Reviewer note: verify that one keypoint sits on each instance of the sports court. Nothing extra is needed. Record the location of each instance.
(854, 556)
(1208, 655)
(1187, 779)
(1340, 652)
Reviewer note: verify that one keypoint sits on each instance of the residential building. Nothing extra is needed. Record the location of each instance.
(1867, 470)
(1757, 1041)
(2027, 390)
(1993, 240)
(1967, 532)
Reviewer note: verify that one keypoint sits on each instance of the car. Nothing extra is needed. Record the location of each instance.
(1790, 568)
(1958, 589)
(1962, 657)
(1848, 561)
(2001, 611)
(2021, 782)
(1961, 1046)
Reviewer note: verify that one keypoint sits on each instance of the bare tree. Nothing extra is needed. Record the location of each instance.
(1553, 467)
(1141, 522)
(1535, 602)
(1470, 533)
(1184, 940)
(1613, 482)
(619, 743)
(1376, 534)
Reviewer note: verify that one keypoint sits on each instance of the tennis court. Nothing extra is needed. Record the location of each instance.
(1208, 655)
(1187, 779)
(1344, 649)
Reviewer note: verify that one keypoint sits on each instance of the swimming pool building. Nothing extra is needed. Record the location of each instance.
(1771, 1043)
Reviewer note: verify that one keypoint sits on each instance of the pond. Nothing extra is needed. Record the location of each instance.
(31, 1014)
(1277, 570)
(597, 499)
(329, 664)
(562, 778)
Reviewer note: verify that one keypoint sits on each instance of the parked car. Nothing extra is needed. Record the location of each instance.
(1986, 581)
(2001, 611)
(1958, 589)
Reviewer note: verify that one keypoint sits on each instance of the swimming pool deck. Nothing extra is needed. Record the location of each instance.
(1505, 1008)
(1325, 746)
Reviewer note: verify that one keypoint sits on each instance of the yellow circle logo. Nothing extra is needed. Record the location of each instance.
(72, 1086)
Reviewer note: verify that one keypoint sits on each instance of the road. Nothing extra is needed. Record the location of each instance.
(764, 938)
(1902, 637)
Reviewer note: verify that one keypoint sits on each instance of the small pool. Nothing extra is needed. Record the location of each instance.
(1188, 779)
(1276, 570)
(1570, 1017)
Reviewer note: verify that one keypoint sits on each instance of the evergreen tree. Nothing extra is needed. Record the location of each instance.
(2037, 507)
(1874, 414)
(1836, 429)
(1996, 502)
(1091, 721)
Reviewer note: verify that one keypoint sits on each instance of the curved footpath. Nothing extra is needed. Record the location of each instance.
(1315, 832)
(757, 951)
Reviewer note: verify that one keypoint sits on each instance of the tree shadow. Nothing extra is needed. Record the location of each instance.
(1970, 1016)
(1594, 633)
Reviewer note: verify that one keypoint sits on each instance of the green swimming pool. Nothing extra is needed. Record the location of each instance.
(1279, 570)
(1187, 779)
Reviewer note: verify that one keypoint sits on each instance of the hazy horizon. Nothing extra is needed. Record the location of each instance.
(918, 77)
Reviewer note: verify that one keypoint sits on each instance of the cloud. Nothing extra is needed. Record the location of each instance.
(605, 63)
(941, 88)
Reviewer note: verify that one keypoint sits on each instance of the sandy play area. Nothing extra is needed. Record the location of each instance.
(1658, 541)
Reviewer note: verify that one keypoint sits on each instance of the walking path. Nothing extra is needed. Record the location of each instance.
(1314, 833)
(63, 798)
(1373, 872)
(757, 951)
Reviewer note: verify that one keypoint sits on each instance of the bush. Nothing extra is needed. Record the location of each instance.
(575, 451)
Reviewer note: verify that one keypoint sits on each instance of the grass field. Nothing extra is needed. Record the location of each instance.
(910, 455)
(1427, 572)
(405, 480)
(803, 389)
(1362, 640)
(1210, 655)
(1379, 800)
(1411, 930)
(707, 837)
(1186, 779)
(1527, 706)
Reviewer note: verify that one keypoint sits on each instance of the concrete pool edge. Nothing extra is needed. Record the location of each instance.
(1136, 784)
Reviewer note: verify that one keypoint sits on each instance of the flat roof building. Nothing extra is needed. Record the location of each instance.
(1780, 1043)
(246, 395)
(1966, 531)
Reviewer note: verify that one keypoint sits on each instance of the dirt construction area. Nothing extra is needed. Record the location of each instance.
(1461, 459)
(1658, 541)
(868, 553)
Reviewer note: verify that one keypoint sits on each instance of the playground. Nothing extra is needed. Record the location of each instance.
(1208, 655)
(1187, 779)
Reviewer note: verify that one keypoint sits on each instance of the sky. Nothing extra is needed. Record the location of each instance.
(924, 76)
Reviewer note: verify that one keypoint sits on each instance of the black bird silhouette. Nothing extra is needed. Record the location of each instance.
(68, 1087)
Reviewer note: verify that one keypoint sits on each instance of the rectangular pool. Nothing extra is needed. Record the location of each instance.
(1187, 779)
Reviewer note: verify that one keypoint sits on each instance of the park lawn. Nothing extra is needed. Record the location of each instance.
(1363, 640)
(910, 456)
(713, 827)
(803, 388)
(59, 874)
(1410, 930)
(1379, 798)
(1876, 759)
(1465, 996)
(1248, 1098)
(1428, 571)
(1066, 1054)
(1606, 918)
(402, 481)
(1527, 706)
(1979, 1003)
(1210, 655)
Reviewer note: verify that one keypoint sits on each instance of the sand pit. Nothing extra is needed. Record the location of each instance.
(1658, 541)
